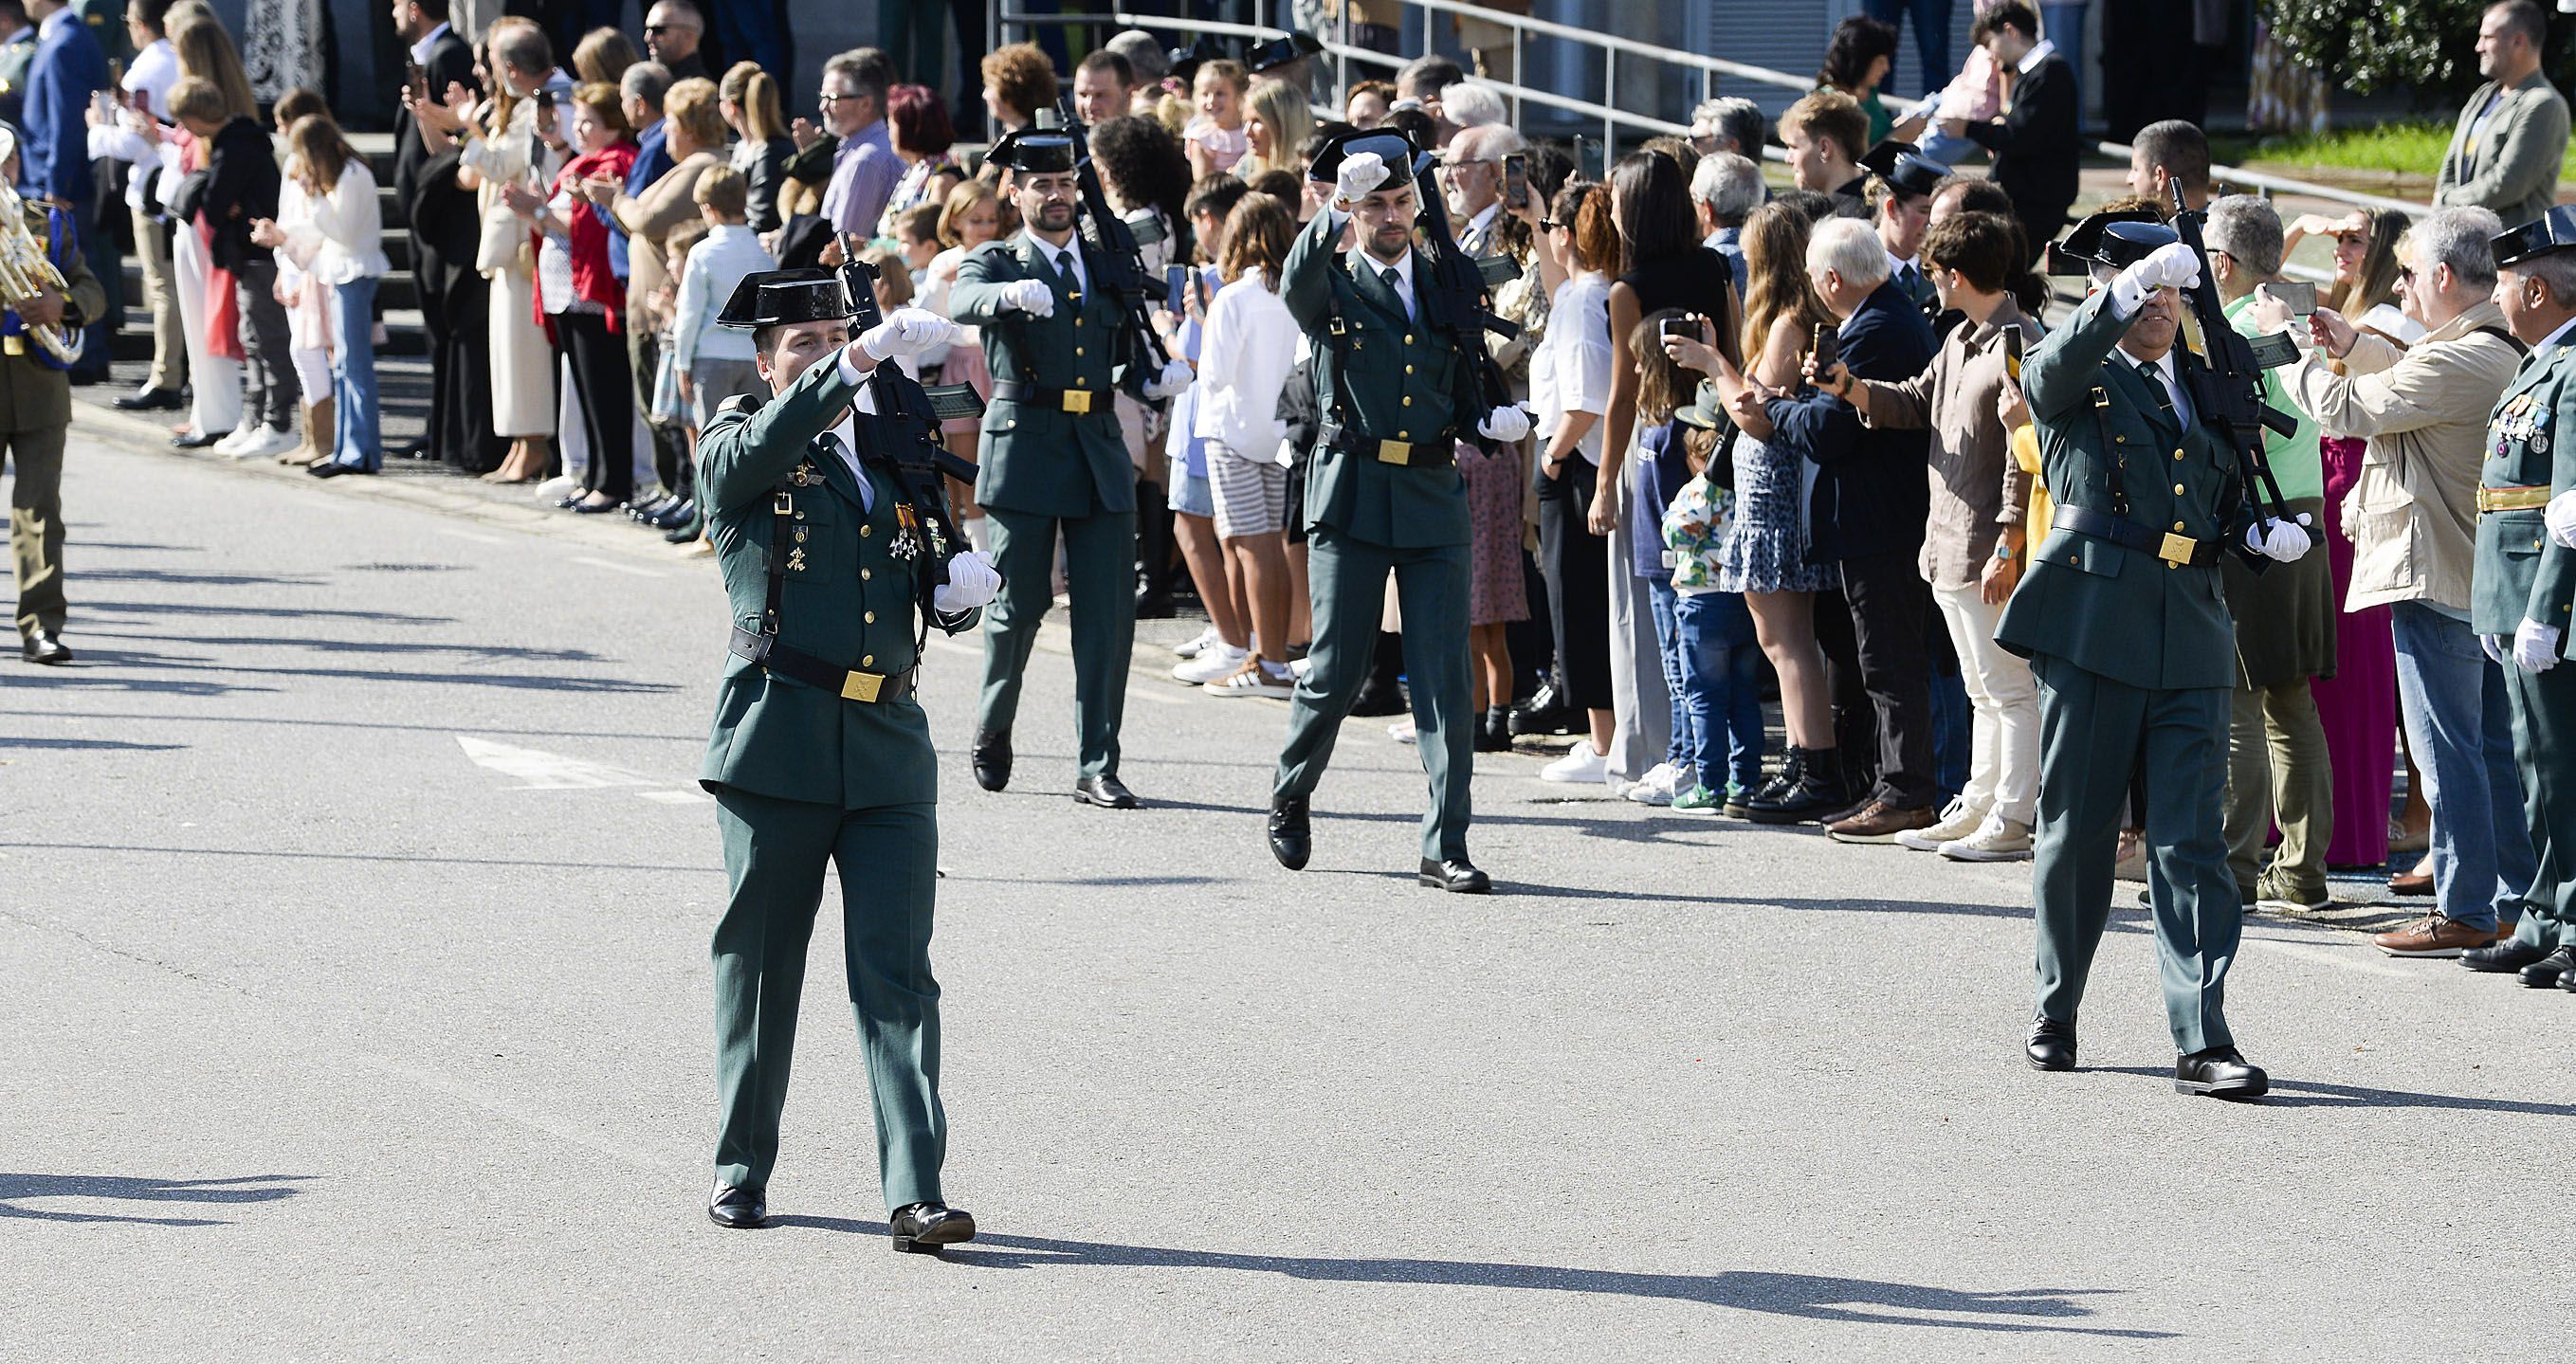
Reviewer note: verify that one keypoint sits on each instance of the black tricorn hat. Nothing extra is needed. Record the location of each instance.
(1297, 46)
(1034, 149)
(1392, 146)
(1904, 167)
(2551, 231)
(2115, 240)
(777, 298)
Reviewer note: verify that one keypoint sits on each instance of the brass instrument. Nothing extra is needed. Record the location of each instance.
(25, 271)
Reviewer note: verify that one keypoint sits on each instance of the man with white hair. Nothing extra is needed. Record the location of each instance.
(1867, 517)
(2412, 517)
(1471, 176)
(1470, 104)
(1731, 123)
(1726, 188)
(2122, 619)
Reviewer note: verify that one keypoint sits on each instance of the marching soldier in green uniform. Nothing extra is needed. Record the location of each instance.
(820, 754)
(35, 418)
(2525, 584)
(1384, 494)
(2124, 625)
(1054, 461)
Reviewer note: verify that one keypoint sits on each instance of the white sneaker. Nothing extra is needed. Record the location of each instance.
(1214, 663)
(1196, 644)
(555, 488)
(1996, 840)
(1956, 822)
(1580, 764)
(1656, 787)
(266, 441)
(1254, 678)
(1299, 667)
(1403, 732)
(240, 436)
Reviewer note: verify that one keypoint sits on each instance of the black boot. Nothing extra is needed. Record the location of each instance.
(1382, 693)
(1153, 553)
(1817, 792)
(1494, 731)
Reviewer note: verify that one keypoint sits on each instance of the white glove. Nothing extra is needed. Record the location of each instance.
(972, 581)
(2535, 646)
(907, 331)
(1031, 296)
(2281, 540)
(1359, 175)
(2494, 645)
(2561, 517)
(1176, 376)
(2172, 265)
(1506, 424)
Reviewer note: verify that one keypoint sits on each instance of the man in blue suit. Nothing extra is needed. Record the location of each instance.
(67, 70)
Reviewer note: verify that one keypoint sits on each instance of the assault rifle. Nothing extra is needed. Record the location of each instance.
(1459, 298)
(1122, 263)
(2228, 391)
(914, 452)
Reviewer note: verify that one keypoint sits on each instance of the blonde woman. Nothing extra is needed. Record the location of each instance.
(206, 315)
(1276, 123)
(748, 99)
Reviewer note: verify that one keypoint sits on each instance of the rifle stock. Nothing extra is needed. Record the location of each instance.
(1123, 274)
(1459, 298)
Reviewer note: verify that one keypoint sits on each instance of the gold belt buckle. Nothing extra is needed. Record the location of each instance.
(1395, 452)
(863, 686)
(2177, 549)
(1078, 401)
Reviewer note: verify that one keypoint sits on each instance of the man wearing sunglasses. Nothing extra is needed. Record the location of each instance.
(865, 169)
(672, 32)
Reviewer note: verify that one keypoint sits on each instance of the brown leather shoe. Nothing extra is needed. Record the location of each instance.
(1880, 822)
(2431, 936)
(2411, 883)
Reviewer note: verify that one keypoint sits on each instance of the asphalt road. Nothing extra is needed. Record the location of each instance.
(354, 897)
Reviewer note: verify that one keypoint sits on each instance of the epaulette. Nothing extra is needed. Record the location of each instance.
(745, 403)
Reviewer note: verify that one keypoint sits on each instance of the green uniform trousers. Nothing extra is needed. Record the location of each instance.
(1347, 580)
(2544, 744)
(2093, 733)
(36, 525)
(1100, 580)
(775, 851)
(2278, 770)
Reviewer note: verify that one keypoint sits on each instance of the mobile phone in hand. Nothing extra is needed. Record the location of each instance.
(1175, 279)
(1198, 287)
(2012, 351)
(1686, 325)
(2300, 295)
(1516, 186)
(1827, 347)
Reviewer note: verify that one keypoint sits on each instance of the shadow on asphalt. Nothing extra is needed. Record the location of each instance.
(14, 1188)
(91, 744)
(1814, 1296)
(2316, 1094)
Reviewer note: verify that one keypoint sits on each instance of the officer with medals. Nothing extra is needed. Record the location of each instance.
(36, 408)
(1383, 495)
(2124, 625)
(820, 754)
(1054, 462)
(2525, 583)
(1902, 182)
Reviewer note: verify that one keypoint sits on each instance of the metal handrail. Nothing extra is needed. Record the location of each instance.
(2282, 184)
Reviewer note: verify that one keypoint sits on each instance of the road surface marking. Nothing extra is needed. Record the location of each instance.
(542, 771)
(637, 569)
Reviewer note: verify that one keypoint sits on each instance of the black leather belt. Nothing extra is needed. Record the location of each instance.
(850, 683)
(2177, 550)
(1078, 401)
(1441, 447)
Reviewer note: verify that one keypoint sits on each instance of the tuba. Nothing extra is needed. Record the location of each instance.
(26, 271)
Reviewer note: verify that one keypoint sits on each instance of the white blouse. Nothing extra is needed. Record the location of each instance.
(1244, 359)
(336, 237)
(1570, 370)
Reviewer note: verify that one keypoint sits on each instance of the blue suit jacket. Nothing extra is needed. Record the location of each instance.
(652, 162)
(67, 69)
(1871, 495)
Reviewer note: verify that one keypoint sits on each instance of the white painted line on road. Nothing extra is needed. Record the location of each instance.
(679, 797)
(1164, 696)
(478, 538)
(2350, 959)
(637, 569)
(542, 771)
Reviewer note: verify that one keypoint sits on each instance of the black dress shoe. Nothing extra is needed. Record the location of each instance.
(1374, 700)
(44, 647)
(1105, 791)
(198, 441)
(2052, 1045)
(1155, 606)
(738, 1208)
(2219, 1073)
(2508, 954)
(586, 508)
(151, 400)
(1291, 838)
(332, 468)
(991, 757)
(1455, 874)
(568, 503)
(685, 532)
(672, 515)
(2551, 969)
(922, 1228)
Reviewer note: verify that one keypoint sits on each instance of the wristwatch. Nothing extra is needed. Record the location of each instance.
(2003, 551)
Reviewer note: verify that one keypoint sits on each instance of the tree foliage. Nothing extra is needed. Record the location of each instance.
(2369, 45)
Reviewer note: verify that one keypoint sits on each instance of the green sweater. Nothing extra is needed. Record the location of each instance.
(2296, 459)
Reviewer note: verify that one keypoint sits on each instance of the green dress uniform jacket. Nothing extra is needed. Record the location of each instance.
(1383, 496)
(806, 778)
(2124, 613)
(2522, 574)
(35, 419)
(2136, 661)
(1038, 457)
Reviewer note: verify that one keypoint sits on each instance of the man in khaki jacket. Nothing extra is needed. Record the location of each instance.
(2505, 153)
(2412, 520)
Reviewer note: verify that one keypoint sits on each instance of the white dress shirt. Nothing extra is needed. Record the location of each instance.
(2167, 375)
(420, 54)
(1063, 258)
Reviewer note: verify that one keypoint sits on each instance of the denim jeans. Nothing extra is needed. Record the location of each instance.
(1722, 677)
(1684, 749)
(2451, 699)
(356, 438)
(1931, 37)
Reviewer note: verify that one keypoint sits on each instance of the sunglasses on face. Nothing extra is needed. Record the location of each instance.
(828, 97)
